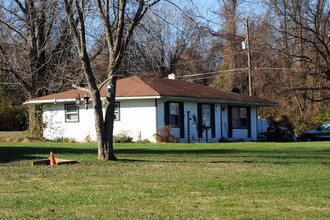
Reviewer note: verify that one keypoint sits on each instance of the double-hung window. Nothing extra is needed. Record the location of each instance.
(71, 113)
(206, 119)
(206, 115)
(117, 115)
(239, 117)
(174, 113)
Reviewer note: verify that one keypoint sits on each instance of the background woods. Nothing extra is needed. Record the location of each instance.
(41, 49)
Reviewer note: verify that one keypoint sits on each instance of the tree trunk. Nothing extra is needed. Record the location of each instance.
(104, 136)
(109, 118)
(35, 120)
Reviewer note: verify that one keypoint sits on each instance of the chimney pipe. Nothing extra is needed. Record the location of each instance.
(172, 76)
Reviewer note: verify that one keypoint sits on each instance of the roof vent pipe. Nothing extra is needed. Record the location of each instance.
(172, 76)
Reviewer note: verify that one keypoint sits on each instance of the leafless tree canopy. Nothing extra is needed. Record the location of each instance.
(47, 45)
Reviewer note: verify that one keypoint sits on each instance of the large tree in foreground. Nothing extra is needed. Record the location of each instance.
(119, 19)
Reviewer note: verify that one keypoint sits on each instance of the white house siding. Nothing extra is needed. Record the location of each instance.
(254, 126)
(263, 124)
(140, 120)
(137, 119)
(192, 107)
(240, 134)
(224, 122)
(56, 127)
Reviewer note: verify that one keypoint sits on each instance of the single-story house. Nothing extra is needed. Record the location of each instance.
(196, 113)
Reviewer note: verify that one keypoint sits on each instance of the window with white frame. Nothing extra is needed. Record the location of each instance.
(239, 117)
(117, 106)
(174, 114)
(71, 113)
(206, 115)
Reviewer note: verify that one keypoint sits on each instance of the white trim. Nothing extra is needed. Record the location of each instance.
(48, 101)
(205, 100)
(137, 98)
(218, 101)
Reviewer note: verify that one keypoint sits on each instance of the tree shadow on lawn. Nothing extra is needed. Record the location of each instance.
(16, 153)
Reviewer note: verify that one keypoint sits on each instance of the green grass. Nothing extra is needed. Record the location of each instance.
(167, 181)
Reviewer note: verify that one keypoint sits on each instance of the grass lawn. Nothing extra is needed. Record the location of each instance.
(167, 181)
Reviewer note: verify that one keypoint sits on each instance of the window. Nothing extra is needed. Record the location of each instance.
(206, 115)
(239, 117)
(325, 126)
(174, 114)
(206, 119)
(117, 111)
(71, 113)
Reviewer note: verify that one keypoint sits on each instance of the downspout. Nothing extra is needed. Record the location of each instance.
(188, 125)
(257, 122)
(221, 134)
(156, 115)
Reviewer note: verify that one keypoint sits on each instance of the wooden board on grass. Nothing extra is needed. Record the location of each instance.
(58, 162)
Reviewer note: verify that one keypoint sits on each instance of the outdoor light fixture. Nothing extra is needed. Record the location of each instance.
(78, 101)
(86, 100)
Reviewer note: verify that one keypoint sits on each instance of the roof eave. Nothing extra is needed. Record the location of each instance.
(48, 101)
(52, 101)
(223, 101)
(206, 100)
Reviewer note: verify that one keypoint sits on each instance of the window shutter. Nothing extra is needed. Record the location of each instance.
(167, 113)
(181, 112)
(213, 120)
(248, 110)
(199, 120)
(230, 126)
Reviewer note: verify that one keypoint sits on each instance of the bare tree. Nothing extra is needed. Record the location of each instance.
(163, 41)
(234, 69)
(34, 40)
(119, 19)
(303, 36)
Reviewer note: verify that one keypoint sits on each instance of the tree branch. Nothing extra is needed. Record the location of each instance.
(80, 88)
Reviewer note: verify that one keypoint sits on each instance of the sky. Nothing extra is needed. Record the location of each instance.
(207, 10)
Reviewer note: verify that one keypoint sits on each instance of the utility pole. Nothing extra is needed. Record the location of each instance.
(249, 55)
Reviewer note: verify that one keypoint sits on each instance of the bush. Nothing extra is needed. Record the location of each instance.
(88, 139)
(144, 141)
(164, 134)
(280, 129)
(122, 137)
(64, 139)
(13, 117)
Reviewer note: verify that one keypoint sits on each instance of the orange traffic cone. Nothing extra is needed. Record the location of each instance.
(52, 159)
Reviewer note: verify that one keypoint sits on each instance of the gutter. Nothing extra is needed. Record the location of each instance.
(205, 100)
(221, 101)
(49, 101)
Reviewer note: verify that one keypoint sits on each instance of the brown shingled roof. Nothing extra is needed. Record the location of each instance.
(136, 86)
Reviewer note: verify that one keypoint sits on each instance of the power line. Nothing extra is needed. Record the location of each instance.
(232, 71)
(278, 68)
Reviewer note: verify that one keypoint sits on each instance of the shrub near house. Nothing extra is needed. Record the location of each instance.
(13, 116)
